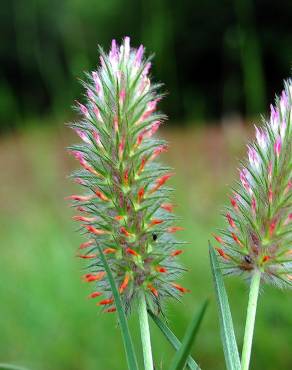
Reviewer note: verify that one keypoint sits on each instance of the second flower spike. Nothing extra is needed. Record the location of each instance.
(259, 219)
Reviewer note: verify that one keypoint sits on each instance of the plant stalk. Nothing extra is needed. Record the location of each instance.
(250, 320)
(145, 333)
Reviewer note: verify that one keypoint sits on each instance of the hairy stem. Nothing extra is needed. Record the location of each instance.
(250, 320)
(145, 333)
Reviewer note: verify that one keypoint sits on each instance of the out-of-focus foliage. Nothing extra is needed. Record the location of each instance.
(214, 56)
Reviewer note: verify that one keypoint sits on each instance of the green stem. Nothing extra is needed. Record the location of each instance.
(145, 333)
(250, 320)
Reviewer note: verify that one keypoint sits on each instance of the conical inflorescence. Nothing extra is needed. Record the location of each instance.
(125, 209)
(259, 232)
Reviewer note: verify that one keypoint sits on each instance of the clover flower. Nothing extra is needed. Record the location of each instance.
(125, 208)
(259, 219)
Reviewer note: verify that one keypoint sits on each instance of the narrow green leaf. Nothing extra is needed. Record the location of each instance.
(226, 326)
(11, 367)
(128, 343)
(181, 355)
(170, 336)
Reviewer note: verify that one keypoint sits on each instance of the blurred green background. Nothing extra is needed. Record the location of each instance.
(221, 62)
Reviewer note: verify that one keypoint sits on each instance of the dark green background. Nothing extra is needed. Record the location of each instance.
(216, 57)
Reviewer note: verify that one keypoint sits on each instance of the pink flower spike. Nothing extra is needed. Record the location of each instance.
(151, 106)
(139, 55)
(116, 124)
(244, 181)
(146, 69)
(283, 102)
(102, 61)
(158, 151)
(275, 118)
(79, 181)
(80, 198)
(261, 219)
(78, 155)
(84, 219)
(270, 171)
(278, 146)
(288, 219)
(261, 138)
(82, 135)
(127, 47)
(144, 84)
(153, 129)
(160, 182)
(125, 208)
(84, 110)
(96, 138)
(90, 94)
(140, 137)
(122, 147)
(113, 55)
(253, 157)
(288, 187)
(253, 205)
(97, 113)
(234, 202)
(97, 83)
(122, 96)
(114, 49)
(230, 220)
(283, 127)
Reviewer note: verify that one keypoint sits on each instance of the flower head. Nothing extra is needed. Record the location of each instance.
(258, 235)
(125, 208)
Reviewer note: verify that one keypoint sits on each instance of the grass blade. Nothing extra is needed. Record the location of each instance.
(226, 326)
(181, 355)
(11, 367)
(170, 336)
(128, 343)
